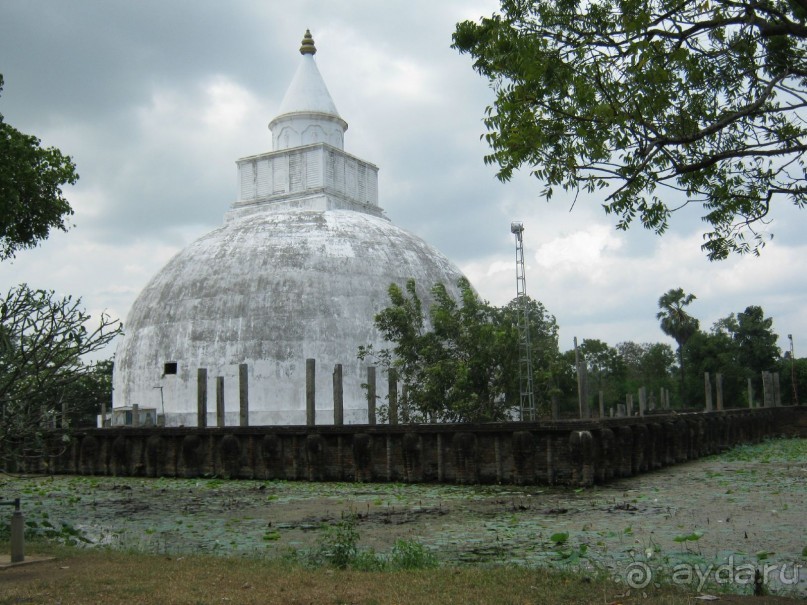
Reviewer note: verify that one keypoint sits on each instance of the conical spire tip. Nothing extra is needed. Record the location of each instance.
(307, 47)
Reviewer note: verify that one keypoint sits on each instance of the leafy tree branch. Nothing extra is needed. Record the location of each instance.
(650, 103)
(43, 340)
(31, 199)
(460, 363)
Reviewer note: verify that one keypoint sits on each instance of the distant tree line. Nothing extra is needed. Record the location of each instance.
(459, 359)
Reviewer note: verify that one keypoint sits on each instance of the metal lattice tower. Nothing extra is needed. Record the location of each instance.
(527, 402)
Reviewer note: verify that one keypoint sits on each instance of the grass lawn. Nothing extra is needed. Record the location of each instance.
(100, 576)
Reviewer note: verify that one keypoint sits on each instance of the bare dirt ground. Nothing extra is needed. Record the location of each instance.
(707, 525)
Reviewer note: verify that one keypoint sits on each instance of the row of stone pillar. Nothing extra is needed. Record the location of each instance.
(310, 396)
(201, 397)
(770, 381)
(338, 395)
(771, 393)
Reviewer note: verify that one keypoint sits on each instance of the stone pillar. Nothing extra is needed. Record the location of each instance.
(404, 404)
(767, 389)
(707, 386)
(777, 393)
(220, 401)
(602, 404)
(338, 396)
(585, 404)
(243, 395)
(310, 392)
(135, 415)
(629, 404)
(581, 397)
(750, 393)
(621, 410)
(17, 536)
(201, 398)
(371, 395)
(392, 384)
(103, 415)
(642, 400)
(719, 389)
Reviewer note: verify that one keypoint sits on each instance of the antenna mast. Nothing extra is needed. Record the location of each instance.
(527, 402)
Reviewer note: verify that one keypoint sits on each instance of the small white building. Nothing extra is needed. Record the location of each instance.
(299, 269)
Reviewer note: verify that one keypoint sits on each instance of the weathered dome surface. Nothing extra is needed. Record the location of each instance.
(271, 290)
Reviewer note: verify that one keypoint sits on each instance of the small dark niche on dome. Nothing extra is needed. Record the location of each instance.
(170, 368)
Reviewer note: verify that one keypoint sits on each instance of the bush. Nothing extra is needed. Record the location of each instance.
(338, 547)
(409, 554)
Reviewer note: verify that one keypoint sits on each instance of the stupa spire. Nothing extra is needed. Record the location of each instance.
(307, 47)
(307, 113)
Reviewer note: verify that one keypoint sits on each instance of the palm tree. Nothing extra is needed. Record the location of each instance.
(676, 322)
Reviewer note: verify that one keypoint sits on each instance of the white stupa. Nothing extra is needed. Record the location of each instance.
(299, 269)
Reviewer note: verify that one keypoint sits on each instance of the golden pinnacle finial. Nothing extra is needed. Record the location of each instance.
(307, 47)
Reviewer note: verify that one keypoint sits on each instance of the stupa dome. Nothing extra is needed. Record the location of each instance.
(299, 269)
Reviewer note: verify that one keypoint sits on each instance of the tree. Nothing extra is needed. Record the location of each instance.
(658, 103)
(647, 365)
(462, 364)
(546, 360)
(450, 371)
(714, 352)
(676, 322)
(81, 401)
(754, 342)
(739, 347)
(43, 339)
(605, 368)
(31, 200)
(791, 370)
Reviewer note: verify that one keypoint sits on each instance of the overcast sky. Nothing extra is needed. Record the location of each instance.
(156, 99)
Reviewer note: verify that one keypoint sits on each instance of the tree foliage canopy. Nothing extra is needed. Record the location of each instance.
(646, 365)
(659, 103)
(42, 341)
(31, 200)
(676, 322)
(459, 363)
(739, 347)
(753, 335)
(674, 319)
